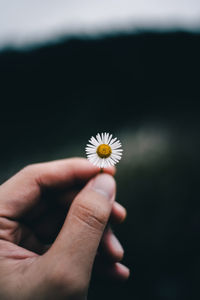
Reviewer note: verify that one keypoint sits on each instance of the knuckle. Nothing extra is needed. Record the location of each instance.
(29, 168)
(93, 216)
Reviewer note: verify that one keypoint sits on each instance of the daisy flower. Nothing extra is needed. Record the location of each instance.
(104, 151)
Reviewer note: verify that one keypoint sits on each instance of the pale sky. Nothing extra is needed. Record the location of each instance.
(28, 21)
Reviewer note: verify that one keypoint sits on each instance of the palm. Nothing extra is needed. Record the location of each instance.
(38, 228)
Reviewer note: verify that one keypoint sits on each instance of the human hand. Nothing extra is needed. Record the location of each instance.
(43, 253)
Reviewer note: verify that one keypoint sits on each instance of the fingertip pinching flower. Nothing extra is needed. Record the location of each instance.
(104, 150)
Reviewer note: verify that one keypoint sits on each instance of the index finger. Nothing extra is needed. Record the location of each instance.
(23, 190)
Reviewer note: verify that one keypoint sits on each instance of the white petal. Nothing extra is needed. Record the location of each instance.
(98, 137)
(98, 164)
(102, 163)
(117, 157)
(91, 146)
(117, 151)
(91, 149)
(107, 163)
(111, 161)
(113, 157)
(98, 161)
(102, 138)
(109, 138)
(116, 154)
(115, 162)
(105, 138)
(115, 145)
(94, 142)
(116, 148)
(92, 159)
(90, 153)
(112, 141)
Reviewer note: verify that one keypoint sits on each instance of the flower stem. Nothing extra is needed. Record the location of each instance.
(101, 170)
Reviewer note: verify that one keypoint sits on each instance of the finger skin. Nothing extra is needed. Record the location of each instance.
(21, 192)
(85, 224)
(118, 214)
(110, 246)
(113, 271)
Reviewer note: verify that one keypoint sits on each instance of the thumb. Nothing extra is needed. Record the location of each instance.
(78, 240)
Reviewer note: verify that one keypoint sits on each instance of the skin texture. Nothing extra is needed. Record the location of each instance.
(54, 230)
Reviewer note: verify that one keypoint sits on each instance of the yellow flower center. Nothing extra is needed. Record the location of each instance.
(104, 151)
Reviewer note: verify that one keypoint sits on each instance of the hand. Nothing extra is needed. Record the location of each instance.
(52, 219)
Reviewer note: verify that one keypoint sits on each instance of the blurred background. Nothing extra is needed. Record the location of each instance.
(70, 69)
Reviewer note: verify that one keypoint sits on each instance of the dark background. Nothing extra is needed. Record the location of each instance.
(144, 88)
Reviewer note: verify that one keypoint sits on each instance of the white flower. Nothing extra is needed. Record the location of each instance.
(104, 151)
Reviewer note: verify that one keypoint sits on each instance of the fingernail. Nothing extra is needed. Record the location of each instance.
(116, 245)
(122, 211)
(123, 271)
(104, 184)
